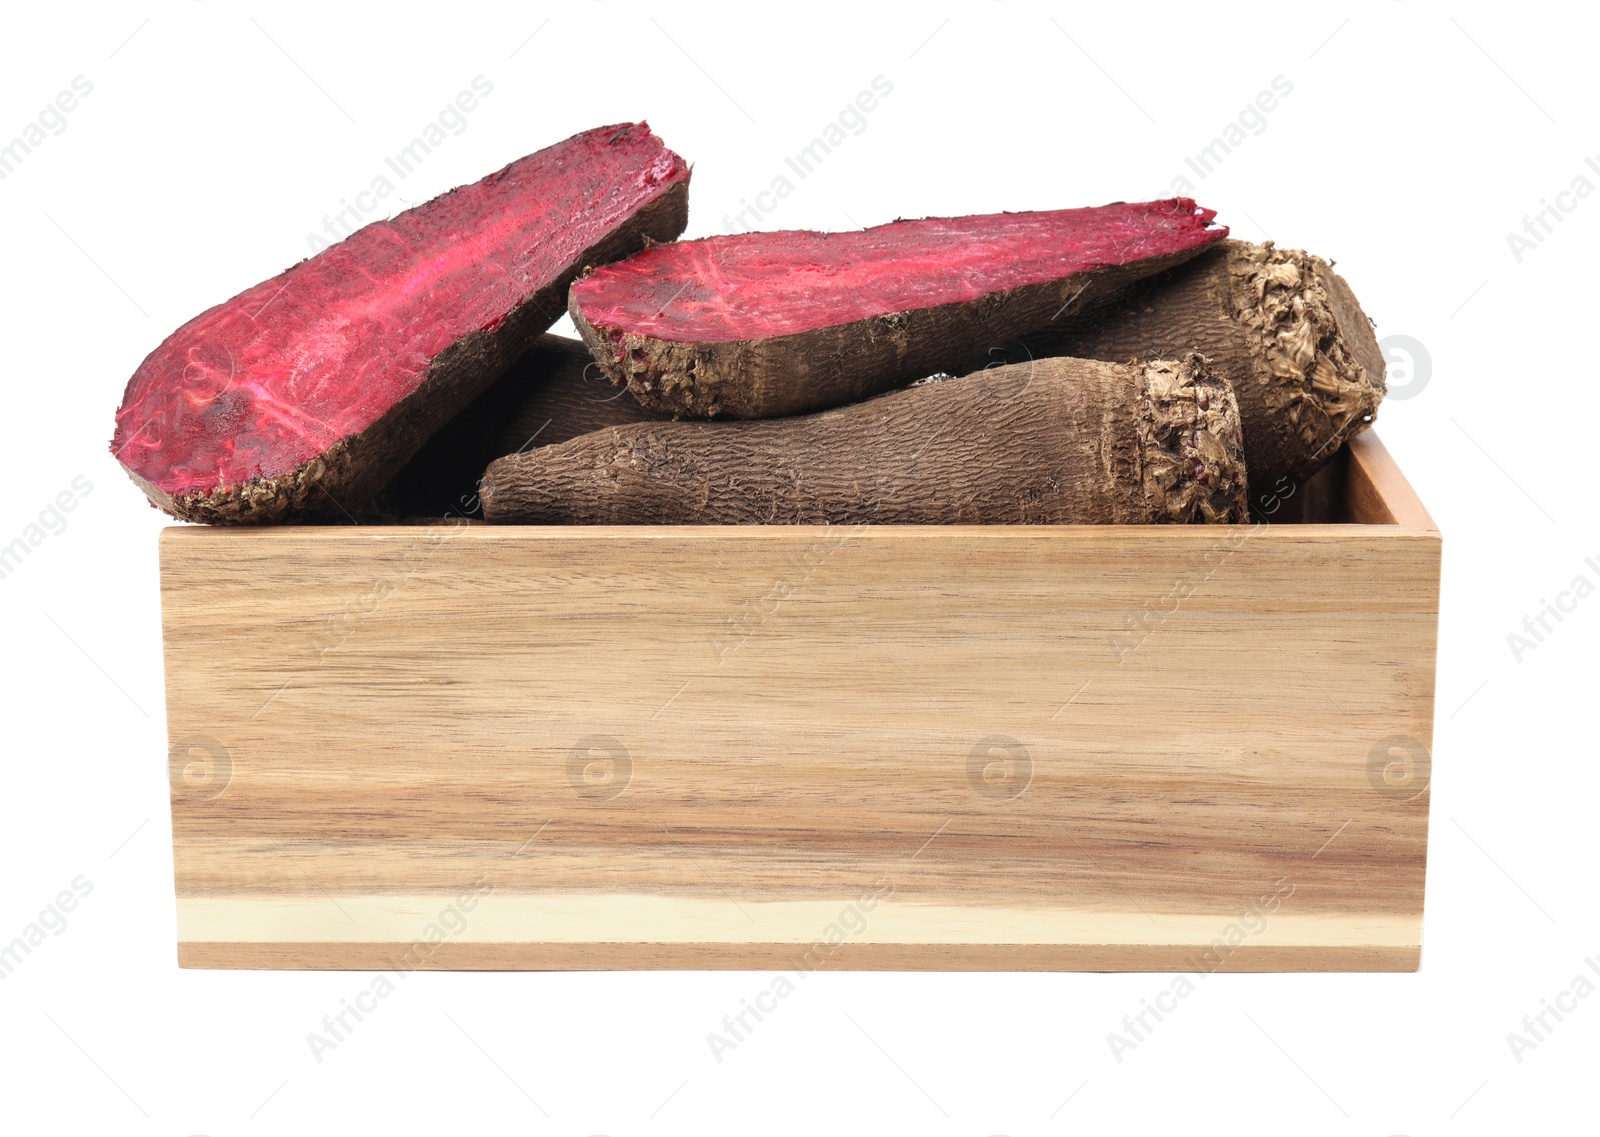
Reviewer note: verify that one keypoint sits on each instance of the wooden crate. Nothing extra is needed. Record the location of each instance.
(1009, 747)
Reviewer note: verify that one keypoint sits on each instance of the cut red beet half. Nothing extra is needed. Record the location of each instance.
(307, 392)
(766, 324)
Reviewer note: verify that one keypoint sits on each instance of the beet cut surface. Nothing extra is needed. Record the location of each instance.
(763, 324)
(315, 386)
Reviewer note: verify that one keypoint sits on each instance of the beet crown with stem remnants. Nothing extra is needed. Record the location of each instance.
(1280, 325)
(321, 381)
(765, 324)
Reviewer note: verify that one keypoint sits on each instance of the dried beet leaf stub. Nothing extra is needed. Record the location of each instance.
(1280, 325)
(1054, 441)
(302, 396)
(760, 325)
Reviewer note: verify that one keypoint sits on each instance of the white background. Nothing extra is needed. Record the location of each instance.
(1415, 139)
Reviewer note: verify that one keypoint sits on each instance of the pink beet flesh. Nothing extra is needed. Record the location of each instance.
(759, 285)
(288, 368)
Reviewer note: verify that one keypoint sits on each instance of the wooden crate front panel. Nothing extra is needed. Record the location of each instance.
(922, 747)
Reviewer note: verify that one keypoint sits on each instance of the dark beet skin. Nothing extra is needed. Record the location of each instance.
(765, 324)
(308, 391)
(553, 393)
(1052, 441)
(1280, 325)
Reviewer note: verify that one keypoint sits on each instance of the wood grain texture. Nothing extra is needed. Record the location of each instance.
(1095, 747)
(1377, 493)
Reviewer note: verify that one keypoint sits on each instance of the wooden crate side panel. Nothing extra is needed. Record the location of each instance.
(1167, 721)
(1377, 493)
